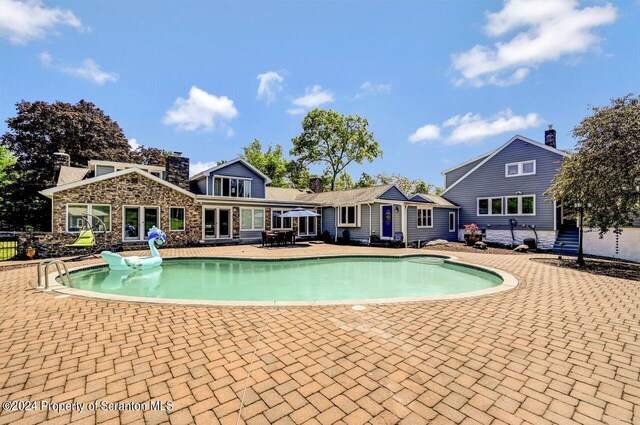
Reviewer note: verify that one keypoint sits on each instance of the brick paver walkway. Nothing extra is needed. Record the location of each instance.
(561, 348)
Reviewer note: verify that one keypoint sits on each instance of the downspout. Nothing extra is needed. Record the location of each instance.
(369, 205)
(405, 209)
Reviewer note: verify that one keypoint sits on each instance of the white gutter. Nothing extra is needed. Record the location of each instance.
(335, 220)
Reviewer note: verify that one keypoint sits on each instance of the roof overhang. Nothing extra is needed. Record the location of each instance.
(218, 200)
(208, 171)
(52, 190)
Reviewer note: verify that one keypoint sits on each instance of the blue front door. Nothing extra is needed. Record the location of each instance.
(387, 221)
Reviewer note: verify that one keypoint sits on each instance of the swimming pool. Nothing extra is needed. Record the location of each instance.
(317, 280)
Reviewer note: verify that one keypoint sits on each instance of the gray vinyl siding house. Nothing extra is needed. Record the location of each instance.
(490, 197)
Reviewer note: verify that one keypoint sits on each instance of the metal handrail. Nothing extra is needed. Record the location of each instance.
(48, 263)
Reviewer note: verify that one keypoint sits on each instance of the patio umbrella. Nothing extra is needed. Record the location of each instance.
(299, 212)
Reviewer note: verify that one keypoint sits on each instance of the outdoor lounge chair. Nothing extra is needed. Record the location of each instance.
(398, 239)
(87, 237)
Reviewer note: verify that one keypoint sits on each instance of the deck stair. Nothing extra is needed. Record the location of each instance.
(567, 242)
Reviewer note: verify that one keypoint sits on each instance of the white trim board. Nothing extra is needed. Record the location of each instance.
(500, 149)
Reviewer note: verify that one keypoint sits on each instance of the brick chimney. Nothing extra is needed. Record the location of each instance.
(550, 137)
(177, 167)
(60, 159)
(315, 184)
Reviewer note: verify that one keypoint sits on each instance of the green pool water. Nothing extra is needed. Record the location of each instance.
(350, 278)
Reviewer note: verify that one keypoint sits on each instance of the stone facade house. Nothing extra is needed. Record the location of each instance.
(502, 191)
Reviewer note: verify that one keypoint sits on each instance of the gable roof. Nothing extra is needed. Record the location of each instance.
(349, 196)
(50, 191)
(501, 148)
(433, 199)
(284, 193)
(208, 171)
(71, 174)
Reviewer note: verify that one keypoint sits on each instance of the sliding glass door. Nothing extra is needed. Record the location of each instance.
(217, 223)
(137, 221)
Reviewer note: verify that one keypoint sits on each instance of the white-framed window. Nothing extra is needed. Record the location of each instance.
(522, 168)
(233, 187)
(251, 218)
(280, 223)
(137, 220)
(79, 214)
(425, 217)
(176, 219)
(348, 216)
(307, 226)
(507, 205)
(452, 221)
(490, 206)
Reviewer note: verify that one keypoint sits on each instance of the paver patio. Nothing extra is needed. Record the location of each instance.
(561, 348)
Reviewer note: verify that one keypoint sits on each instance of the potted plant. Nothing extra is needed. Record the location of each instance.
(374, 237)
(472, 234)
(30, 251)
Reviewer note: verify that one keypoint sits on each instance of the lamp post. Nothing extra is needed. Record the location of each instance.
(580, 207)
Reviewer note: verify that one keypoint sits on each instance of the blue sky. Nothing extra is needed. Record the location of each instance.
(439, 82)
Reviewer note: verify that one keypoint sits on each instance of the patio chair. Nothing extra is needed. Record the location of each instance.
(281, 239)
(264, 239)
(87, 237)
(398, 239)
(289, 238)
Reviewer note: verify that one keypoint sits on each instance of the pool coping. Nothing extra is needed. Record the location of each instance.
(509, 282)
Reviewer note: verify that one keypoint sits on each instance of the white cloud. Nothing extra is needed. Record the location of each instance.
(200, 110)
(230, 132)
(313, 97)
(23, 21)
(197, 167)
(471, 128)
(88, 70)
(548, 31)
(427, 132)
(133, 144)
(370, 89)
(270, 84)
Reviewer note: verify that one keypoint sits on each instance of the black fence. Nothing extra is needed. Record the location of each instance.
(8, 247)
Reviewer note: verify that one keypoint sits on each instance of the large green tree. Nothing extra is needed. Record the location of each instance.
(149, 156)
(604, 172)
(271, 162)
(40, 129)
(365, 180)
(335, 140)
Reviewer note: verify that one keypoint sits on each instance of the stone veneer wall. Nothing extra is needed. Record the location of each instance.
(132, 189)
(267, 219)
(177, 168)
(546, 238)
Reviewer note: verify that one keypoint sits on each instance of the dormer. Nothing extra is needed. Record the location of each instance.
(100, 168)
(233, 179)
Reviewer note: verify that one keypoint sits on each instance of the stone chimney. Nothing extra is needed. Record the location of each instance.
(315, 184)
(550, 137)
(177, 167)
(60, 159)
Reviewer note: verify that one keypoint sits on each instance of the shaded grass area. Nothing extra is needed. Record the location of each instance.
(617, 269)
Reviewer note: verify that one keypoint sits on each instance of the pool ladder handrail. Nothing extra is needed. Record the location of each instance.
(48, 263)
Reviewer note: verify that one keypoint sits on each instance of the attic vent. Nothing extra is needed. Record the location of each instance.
(134, 180)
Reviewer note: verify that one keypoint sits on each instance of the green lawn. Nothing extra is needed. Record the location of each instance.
(8, 249)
